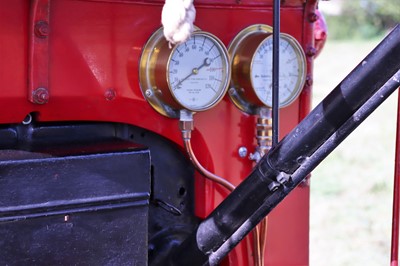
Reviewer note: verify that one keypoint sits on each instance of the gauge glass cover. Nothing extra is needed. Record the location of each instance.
(291, 70)
(198, 72)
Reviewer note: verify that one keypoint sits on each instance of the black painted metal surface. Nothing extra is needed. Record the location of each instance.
(74, 204)
(170, 217)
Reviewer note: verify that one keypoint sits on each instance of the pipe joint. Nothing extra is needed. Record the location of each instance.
(186, 124)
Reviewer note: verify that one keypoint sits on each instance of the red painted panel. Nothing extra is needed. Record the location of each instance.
(13, 60)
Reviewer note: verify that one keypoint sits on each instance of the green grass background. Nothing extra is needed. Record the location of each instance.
(351, 191)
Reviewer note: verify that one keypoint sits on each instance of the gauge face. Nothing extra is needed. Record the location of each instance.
(198, 72)
(291, 71)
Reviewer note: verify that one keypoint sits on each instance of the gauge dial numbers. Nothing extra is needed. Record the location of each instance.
(291, 70)
(194, 75)
(252, 70)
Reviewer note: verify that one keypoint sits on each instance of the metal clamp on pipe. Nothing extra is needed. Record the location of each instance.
(273, 185)
(276, 179)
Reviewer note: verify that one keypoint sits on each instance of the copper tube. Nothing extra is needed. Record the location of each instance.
(186, 127)
(257, 246)
(259, 233)
(263, 239)
(223, 182)
(394, 254)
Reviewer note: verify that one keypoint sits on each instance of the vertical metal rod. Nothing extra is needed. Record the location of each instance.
(275, 72)
(396, 196)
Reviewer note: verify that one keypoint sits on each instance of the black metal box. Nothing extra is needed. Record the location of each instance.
(81, 207)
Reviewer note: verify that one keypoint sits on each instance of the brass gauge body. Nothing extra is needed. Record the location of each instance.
(251, 55)
(193, 75)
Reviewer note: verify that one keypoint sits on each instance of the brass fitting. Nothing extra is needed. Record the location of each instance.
(186, 124)
(263, 134)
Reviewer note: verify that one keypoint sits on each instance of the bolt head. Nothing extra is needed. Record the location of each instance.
(309, 80)
(42, 29)
(40, 96)
(313, 17)
(242, 152)
(110, 94)
(148, 93)
(311, 51)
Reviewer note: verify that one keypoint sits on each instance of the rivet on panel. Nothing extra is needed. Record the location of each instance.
(313, 17)
(110, 94)
(42, 29)
(309, 80)
(41, 96)
(311, 51)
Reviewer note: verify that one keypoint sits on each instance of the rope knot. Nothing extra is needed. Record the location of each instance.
(177, 18)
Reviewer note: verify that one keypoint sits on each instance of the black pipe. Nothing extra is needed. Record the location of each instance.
(275, 71)
(306, 167)
(274, 177)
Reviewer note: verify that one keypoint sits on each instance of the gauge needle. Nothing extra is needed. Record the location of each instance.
(207, 61)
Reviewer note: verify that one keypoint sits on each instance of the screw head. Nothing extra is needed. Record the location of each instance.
(148, 93)
(242, 151)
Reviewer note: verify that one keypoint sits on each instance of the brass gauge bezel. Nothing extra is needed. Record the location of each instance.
(242, 51)
(153, 51)
(154, 78)
(302, 69)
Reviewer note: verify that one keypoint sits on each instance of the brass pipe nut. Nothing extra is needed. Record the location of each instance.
(186, 125)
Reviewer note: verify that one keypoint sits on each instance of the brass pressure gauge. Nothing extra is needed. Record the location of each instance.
(251, 53)
(194, 75)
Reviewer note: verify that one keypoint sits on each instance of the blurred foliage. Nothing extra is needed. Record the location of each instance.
(364, 19)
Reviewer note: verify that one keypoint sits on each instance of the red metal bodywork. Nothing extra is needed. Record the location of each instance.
(90, 61)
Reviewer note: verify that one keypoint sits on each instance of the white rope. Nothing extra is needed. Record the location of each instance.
(177, 18)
